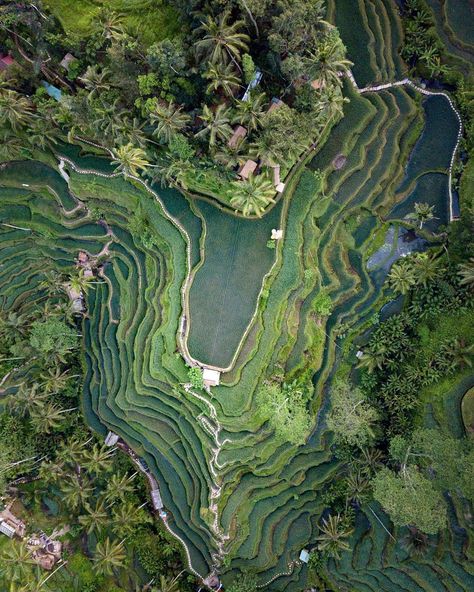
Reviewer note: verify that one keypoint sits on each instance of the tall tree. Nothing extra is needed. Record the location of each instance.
(222, 41)
(168, 120)
(252, 195)
(222, 76)
(250, 113)
(109, 555)
(130, 160)
(333, 537)
(15, 109)
(216, 124)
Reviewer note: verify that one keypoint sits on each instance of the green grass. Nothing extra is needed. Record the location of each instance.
(151, 20)
(467, 408)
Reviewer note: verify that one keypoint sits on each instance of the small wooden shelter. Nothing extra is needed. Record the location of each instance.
(237, 137)
(247, 169)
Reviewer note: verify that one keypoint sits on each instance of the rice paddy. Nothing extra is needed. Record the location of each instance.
(236, 497)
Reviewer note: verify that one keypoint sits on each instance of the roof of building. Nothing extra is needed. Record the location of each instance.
(8, 60)
(156, 499)
(275, 103)
(280, 187)
(304, 556)
(7, 529)
(211, 377)
(317, 84)
(67, 59)
(239, 134)
(247, 169)
(52, 91)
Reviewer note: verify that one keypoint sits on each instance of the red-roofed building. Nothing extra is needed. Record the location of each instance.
(6, 62)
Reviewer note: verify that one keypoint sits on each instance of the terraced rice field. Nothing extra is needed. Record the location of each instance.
(235, 497)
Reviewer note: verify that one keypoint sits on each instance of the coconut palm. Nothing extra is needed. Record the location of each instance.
(43, 133)
(15, 561)
(118, 486)
(98, 459)
(72, 451)
(466, 273)
(250, 113)
(459, 352)
(222, 76)
(423, 213)
(357, 487)
(11, 146)
(79, 282)
(217, 124)
(52, 282)
(333, 536)
(222, 41)
(130, 160)
(55, 379)
(167, 584)
(402, 277)
(109, 555)
(15, 109)
(95, 518)
(331, 103)
(426, 268)
(327, 61)
(51, 471)
(174, 172)
(252, 195)
(128, 130)
(27, 399)
(110, 23)
(169, 119)
(76, 491)
(127, 517)
(373, 357)
(96, 81)
(47, 418)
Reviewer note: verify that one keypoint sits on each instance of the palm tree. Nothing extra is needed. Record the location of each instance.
(52, 282)
(95, 80)
(110, 23)
(47, 418)
(402, 277)
(127, 517)
(55, 379)
(167, 584)
(15, 561)
(250, 113)
(15, 109)
(43, 133)
(333, 535)
(51, 471)
(373, 357)
(222, 41)
(466, 273)
(95, 517)
(27, 399)
(76, 491)
(98, 459)
(11, 146)
(357, 487)
(423, 213)
(217, 124)
(79, 282)
(108, 556)
(331, 103)
(252, 195)
(327, 62)
(426, 268)
(129, 160)
(222, 76)
(118, 486)
(72, 451)
(169, 120)
(127, 130)
(459, 352)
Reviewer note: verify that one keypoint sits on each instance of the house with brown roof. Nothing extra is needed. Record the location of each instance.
(66, 61)
(275, 104)
(6, 61)
(247, 169)
(237, 137)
